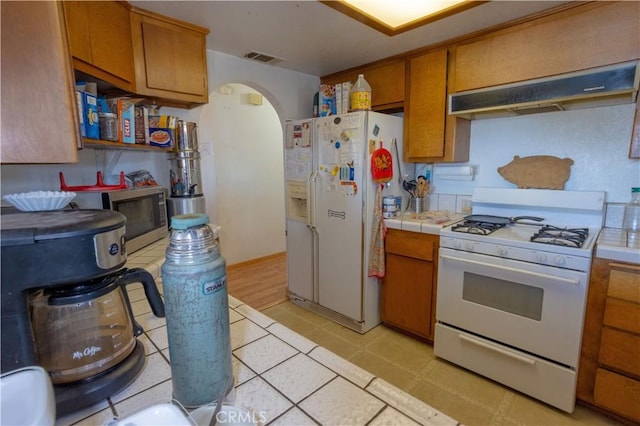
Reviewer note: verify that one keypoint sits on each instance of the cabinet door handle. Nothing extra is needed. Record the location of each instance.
(625, 266)
(501, 351)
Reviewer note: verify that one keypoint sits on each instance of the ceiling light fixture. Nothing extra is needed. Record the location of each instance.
(395, 17)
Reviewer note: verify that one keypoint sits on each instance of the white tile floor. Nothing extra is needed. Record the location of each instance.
(284, 378)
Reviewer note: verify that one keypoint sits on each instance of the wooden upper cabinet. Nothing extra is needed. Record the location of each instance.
(170, 58)
(100, 40)
(593, 35)
(39, 112)
(430, 135)
(387, 81)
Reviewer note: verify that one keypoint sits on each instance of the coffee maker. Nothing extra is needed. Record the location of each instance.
(65, 305)
(186, 183)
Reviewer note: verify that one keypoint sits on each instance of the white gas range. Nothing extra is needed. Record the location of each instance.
(510, 308)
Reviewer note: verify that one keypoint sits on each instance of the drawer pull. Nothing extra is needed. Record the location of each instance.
(501, 351)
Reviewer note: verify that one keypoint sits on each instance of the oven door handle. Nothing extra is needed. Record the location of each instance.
(572, 281)
(501, 351)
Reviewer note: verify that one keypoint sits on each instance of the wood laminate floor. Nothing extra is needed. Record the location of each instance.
(260, 283)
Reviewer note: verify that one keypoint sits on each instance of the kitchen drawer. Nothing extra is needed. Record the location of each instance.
(518, 370)
(410, 244)
(624, 284)
(617, 393)
(623, 315)
(620, 351)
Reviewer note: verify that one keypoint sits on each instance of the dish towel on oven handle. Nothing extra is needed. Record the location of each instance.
(378, 231)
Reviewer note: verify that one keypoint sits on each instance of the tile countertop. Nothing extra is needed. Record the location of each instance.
(284, 378)
(429, 222)
(612, 244)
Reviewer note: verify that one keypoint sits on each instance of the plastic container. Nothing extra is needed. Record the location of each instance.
(361, 95)
(631, 219)
(197, 312)
(108, 126)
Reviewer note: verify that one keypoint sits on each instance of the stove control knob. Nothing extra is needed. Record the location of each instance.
(502, 251)
(559, 260)
(542, 258)
(468, 246)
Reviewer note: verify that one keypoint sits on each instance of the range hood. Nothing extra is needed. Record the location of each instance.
(611, 85)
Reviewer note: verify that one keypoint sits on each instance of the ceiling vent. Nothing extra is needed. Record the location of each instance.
(265, 58)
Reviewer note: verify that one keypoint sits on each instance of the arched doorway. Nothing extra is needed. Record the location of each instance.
(242, 171)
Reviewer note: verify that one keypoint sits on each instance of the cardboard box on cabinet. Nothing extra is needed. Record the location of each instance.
(162, 130)
(88, 109)
(327, 100)
(125, 109)
(142, 125)
(90, 116)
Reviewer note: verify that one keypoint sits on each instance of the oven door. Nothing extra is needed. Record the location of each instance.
(534, 308)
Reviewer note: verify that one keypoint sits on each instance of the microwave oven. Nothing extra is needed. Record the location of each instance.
(145, 209)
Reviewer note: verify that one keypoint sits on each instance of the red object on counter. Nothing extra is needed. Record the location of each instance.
(99, 186)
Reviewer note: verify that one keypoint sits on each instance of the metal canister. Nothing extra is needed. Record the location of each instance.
(186, 180)
(391, 206)
(187, 136)
(196, 307)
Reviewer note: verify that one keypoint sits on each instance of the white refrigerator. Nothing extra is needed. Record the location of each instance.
(330, 196)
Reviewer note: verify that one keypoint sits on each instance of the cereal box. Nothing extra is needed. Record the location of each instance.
(327, 100)
(162, 130)
(142, 125)
(125, 108)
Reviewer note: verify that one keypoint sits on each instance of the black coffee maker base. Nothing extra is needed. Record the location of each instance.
(76, 396)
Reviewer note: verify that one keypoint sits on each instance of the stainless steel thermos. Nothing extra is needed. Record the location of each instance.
(196, 306)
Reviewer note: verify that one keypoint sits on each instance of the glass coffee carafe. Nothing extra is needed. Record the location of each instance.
(85, 329)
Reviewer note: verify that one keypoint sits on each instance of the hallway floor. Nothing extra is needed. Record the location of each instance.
(410, 365)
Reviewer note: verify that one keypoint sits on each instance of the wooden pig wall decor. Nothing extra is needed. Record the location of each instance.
(538, 171)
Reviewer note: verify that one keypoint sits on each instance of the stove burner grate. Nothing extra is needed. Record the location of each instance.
(571, 237)
(476, 227)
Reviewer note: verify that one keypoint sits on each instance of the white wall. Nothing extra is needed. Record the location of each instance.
(597, 139)
(242, 165)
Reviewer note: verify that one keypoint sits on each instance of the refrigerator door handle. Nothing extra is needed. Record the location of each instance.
(316, 266)
(311, 199)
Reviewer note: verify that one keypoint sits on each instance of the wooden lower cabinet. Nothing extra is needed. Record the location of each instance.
(408, 293)
(609, 372)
